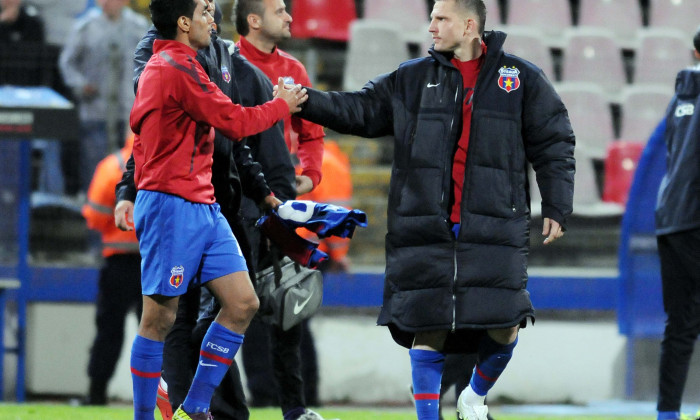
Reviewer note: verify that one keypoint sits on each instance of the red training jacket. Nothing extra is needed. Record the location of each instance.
(175, 109)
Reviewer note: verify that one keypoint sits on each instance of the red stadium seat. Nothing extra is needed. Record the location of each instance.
(323, 19)
(620, 164)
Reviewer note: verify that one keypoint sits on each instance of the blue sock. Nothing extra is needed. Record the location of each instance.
(219, 346)
(294, 413)
(491, 362)
(668, 415)
(146, 363)
(426, 369)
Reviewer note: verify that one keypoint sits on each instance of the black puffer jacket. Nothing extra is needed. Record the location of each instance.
(478, 281)
(678, 206)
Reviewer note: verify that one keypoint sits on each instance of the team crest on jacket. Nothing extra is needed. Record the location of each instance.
(177, 274)
(225, 74)
(509, 80)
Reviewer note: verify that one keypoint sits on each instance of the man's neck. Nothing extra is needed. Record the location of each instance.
(261, 43)
(469, 51)
(183, 38)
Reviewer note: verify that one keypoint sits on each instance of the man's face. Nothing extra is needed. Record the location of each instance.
(112, 8)
(201, 25)
(275, 23)
(448, 25)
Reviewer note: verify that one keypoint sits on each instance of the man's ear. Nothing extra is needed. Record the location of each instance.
(254, 21)
(184, 24)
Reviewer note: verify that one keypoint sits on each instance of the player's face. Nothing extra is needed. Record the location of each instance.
(201, 25)
(448, 26)
(276, 21)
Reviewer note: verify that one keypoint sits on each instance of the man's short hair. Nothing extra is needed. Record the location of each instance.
(474, 6)
(165, 13)
(696, 40)
(241, 10)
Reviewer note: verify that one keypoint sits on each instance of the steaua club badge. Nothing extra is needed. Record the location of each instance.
(509, 80)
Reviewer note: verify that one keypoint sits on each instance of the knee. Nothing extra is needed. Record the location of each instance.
(157, 326)
(504, 336)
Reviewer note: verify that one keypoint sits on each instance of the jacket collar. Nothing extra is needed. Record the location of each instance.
(494, 42)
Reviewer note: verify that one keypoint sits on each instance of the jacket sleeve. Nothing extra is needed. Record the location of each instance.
(365, 113)
(126, 188)
(98, 211)
(205, 102)
(252, 178)
(70, 58)
(143, 53)
(549, 145)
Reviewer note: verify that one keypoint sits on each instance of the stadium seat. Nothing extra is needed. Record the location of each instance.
(593, 55)
(552, 17)
(620, 165)
(587, 199)
(642, 107)
(683, 15)
(323, 19)
(590, 115)
(622, 17)
(411, 15)
(662, 52)
(375, 47)
(526, 42)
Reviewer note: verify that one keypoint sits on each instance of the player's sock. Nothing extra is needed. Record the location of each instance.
(219, 346)
(426, 369)
(491, 362)
(146, 363)
(668, 415)
(294, 413)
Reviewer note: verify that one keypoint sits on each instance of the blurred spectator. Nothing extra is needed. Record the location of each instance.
(21, 44)
(96, 64)
(119, 288)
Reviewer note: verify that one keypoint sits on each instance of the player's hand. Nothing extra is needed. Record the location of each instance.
(303, 184)
(124, 215)
(552, 230)
(271, 202)
(294, 95)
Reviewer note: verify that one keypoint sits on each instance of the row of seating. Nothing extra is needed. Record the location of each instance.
(331, 19)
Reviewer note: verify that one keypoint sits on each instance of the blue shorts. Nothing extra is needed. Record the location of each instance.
(182, 244)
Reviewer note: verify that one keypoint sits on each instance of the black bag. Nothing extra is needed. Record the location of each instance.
(288, 292)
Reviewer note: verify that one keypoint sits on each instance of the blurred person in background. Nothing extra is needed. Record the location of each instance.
(678, 239)
(96, 64)
(119, 287)
(466, 120)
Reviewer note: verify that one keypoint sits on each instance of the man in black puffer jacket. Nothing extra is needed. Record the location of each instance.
(466, 121)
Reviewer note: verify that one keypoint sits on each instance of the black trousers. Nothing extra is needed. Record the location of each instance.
(119, 290)
(680, 279)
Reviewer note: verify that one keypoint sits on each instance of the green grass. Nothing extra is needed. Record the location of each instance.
(67, 412)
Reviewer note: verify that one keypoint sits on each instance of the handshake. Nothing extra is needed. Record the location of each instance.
(294, 95)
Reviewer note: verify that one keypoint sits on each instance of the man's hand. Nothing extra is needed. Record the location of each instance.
(124, 215)
(271, 202)
(293, 95)
(303, 184)
(552, 230)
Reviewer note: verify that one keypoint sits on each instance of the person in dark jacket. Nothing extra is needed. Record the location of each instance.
(678, 238)
(466, 121)
(237, 176)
